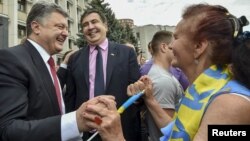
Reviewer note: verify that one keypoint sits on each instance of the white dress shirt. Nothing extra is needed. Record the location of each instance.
(69, 128)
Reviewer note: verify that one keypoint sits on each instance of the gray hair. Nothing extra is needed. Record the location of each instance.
(40, 10)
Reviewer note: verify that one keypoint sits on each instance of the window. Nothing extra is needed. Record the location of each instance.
(69, 27)
(79, 18)
(70, 43)
(22, 5)
(21, 31)
(138, 35)
(68, 7)
(79, 14)
(80, 27)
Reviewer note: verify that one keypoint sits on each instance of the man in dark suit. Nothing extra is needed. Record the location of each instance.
(120, 68)
(31, 104)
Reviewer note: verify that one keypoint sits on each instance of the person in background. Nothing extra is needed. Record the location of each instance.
(206, 48)
(144, 69)
(31, 104)
(119, 69)
(140, 58)
(128, 44)
(179, 75)
(62, 70)
(218, 72)
(166, 89)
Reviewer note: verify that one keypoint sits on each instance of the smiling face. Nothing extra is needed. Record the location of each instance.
(169, 53)
(51, 32)
(94, 29)
(182, 46)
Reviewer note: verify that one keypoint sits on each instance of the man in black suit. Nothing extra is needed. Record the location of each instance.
(31, 104)
(120, 68)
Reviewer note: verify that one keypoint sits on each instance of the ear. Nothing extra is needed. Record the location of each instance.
(35, 27)
(200, 48)
(163, 47)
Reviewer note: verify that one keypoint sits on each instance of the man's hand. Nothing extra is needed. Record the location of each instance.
(110, 128)
(86, 124)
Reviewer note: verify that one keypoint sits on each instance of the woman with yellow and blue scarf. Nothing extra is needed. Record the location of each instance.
(211, 49)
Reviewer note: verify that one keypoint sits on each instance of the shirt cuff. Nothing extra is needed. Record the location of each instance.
(63, 65)
(69, 128)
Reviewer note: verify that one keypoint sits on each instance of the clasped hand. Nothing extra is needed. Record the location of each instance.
(100, 113)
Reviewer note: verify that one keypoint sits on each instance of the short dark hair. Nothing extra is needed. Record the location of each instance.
(90, 11)
(40, 10)
(159, 37)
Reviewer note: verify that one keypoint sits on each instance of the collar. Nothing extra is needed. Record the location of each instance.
(103, 46)
(41, 50)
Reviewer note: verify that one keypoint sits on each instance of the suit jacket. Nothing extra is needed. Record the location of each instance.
(122, 69)
(29, 109)
(62, 76)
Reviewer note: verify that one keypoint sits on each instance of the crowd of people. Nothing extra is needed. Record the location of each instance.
(198, 75)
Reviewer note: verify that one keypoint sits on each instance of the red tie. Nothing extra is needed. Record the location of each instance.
(56, 83)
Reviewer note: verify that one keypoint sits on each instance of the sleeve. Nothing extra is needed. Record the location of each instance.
(134, 71)
(183, 81)
(165, 92)
(62, 75)
(70, 94)
(15, 125)
(69, 128)
(144, 69)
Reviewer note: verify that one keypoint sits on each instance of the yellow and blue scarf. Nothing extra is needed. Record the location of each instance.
(193, 105)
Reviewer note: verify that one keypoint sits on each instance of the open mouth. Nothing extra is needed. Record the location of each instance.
(92, 33)
(61, 40)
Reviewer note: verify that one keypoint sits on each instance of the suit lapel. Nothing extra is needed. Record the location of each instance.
(44, 75)
(112, 59)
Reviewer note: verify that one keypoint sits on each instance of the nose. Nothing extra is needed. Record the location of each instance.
(65, 32)
(90, 26)
(170, 46)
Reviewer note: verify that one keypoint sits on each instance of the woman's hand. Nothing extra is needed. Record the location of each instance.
(109, 122)
(144, 83)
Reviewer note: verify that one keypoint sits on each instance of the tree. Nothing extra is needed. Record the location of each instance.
(116, 32)
(129, 35)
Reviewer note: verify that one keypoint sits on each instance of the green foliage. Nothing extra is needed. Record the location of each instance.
(80, 41)
(116, 32)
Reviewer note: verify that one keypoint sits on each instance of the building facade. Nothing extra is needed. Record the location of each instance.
(144, 34)
(125, 22)
(13, 14)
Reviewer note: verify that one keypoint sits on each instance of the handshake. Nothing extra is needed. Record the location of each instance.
(100, 113)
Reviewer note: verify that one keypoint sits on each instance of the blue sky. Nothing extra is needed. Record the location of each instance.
(168, 12)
